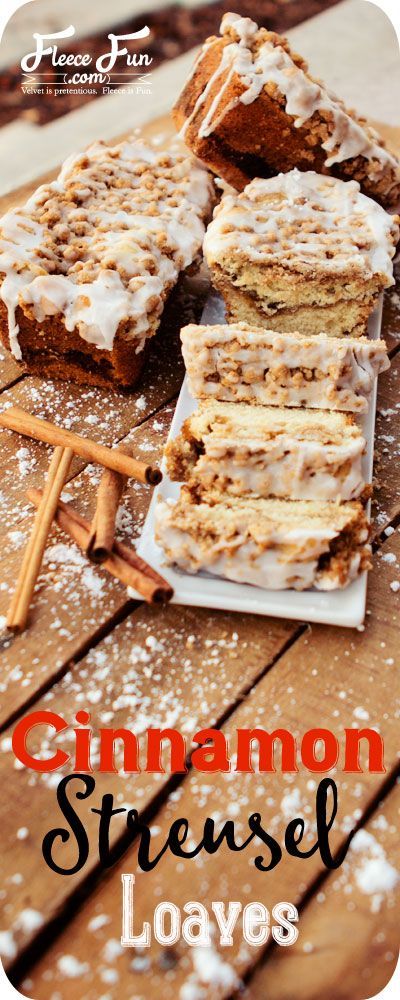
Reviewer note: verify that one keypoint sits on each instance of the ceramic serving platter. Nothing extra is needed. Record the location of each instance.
(341, 607)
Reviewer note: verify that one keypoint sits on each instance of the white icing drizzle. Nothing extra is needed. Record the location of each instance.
(105, 242)
(260, 58)
(255, 548)
(284, 466)
(238, 362)
(306, 221)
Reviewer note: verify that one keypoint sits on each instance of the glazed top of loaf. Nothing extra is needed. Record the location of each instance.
(307, 221)
(103, 243)
(262, 58)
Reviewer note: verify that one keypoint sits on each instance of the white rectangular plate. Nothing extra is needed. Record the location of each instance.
(340, 607)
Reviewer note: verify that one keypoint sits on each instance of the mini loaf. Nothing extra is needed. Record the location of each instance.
(301, 251)
(87, 264)
(275, 544)
(269, 451)
(250, 108)
(241, 363)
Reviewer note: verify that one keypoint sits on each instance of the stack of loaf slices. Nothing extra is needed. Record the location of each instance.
(272, 459)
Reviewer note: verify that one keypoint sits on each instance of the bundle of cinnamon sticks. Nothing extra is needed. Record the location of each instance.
(96, 539)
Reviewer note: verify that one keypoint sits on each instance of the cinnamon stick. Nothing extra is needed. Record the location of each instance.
(32, 560)
(123, 563)
(17, 419)
(102, 532)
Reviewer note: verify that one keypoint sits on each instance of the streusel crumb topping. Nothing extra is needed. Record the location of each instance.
(104, 243)
(306, 221)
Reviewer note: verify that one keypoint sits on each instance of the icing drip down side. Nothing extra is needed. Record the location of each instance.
(105, 242)
(262, 58)
(264, 553)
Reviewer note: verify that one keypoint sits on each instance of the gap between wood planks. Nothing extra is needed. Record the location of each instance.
(70, 610)
(296, 689)
(232, 680)
(108, 628)
(279, 657)
(123, 612)
(292, 665)
(42, 638)
(258, 972)
(235, 619)
(326, 919)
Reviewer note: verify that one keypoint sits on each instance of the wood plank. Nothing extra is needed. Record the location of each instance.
(102, 414)
(87, 20)
(10, 371)
(162, 128)
(323, 676)
(321, 962)
(365, 40)
(391, 313)
(163, 667)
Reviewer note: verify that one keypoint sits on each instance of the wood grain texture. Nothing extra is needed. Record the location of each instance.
(391, 313)
(61, 628)
(104, 415)
(323, 679)
(176, 667)
(340, 912)
(10, 371)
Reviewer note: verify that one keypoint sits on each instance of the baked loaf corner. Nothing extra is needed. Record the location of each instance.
(251, 108)
(86, 265)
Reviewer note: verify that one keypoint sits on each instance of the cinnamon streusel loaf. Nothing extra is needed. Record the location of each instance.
(301, 251)
(251, 365)
(87, 263)
(275, 544)
(269, 451)
(251, 109)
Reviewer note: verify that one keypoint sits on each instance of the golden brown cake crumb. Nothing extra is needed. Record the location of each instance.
(266, 451)
(301, 251)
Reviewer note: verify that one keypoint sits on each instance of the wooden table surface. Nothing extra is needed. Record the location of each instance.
(131, 665)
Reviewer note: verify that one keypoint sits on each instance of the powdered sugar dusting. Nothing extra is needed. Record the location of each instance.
(374, 875)
(209, 969)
